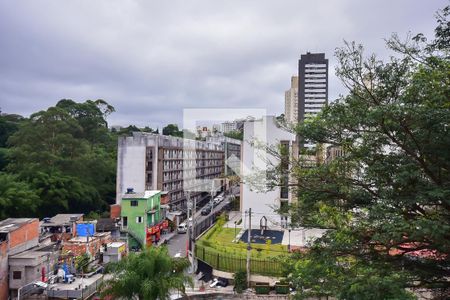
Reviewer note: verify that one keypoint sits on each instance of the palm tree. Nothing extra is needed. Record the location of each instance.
(149, 275)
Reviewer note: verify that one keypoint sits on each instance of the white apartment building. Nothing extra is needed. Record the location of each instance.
(229, 126)
(255, 159)
(147, 161)
(291, 102)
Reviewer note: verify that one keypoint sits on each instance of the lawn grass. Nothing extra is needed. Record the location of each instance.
(217, 248)
(221, 238)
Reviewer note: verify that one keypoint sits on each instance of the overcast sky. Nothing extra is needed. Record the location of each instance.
(151, 59)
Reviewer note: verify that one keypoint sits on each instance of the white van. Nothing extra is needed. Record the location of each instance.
(182, 228)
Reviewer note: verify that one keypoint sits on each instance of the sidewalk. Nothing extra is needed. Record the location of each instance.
(234, 216)
(166, 237)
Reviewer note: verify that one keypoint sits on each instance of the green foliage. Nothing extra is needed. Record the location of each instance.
(92, 215)
(128, 131)
(373, 287)
(66, 155)
(238, 135)
(82, 263)
(172, 129)
(386, 200)
(9, 123)
(151, 274)
(268, 243)
(17, 199)
(240, 281)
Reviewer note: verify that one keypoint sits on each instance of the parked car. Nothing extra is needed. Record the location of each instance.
(217, 200)
(223, 282)
(206, 210)
(182, 228)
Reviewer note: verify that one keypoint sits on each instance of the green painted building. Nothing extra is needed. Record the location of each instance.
(141, 216)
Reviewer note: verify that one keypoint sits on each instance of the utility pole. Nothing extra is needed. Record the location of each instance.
(189, 206)
(194, 211)
(212, 196)
(249, 247)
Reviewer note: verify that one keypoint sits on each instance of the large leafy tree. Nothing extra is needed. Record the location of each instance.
(172, 129)
(386, 201)
(67, 155)
(9, 124)
(149, 275)
(17, 199)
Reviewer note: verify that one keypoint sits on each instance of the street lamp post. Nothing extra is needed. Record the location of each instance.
(235, 222)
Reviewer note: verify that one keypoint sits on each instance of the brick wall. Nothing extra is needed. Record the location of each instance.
(115, 211)
(79, 248)
(4, 270)
(25, 233)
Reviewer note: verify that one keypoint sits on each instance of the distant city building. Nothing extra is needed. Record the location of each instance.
(254, 159)
(229, 126)
(148, 161)
(312, 87)
(232, 150)
(291, 102)
(333, 152)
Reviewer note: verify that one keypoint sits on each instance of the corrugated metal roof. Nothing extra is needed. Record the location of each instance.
(144, 195)
(12, 224)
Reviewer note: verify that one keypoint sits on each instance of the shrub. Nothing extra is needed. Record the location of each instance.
(240, 281)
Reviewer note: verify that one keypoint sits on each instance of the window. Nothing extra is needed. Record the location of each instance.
(139, 220)
(17, 275)
(125, 221)
(134, 203)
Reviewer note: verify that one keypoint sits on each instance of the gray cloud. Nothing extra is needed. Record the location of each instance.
(151, 59)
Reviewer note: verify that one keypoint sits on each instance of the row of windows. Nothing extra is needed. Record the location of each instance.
(315, 65)
(315, 103)
(313, 107)
(317, 70)
(316, 80)
(139, 220)
(316, 95)
(319, 90)
(315, 75)
(316, 85)
(186, 154)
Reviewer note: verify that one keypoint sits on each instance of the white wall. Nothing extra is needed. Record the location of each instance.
(266, 132)
(130, 165)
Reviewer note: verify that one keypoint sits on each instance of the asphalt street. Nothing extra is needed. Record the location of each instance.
(177, 245)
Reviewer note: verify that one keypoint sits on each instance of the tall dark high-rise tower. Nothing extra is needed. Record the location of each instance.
(312, 87)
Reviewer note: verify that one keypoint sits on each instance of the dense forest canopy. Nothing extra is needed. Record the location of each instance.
(59, 160)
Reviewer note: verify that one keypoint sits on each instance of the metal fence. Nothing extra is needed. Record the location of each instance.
(203, 225)
(232, 263)
(80, 293)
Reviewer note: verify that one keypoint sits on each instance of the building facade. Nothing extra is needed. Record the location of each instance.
(229, 126)
(312, 87)
(291, 102)
(31, 266)
(149, 161)
(141, 216)
(255, 159)
(232, 152)
(16, 235)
